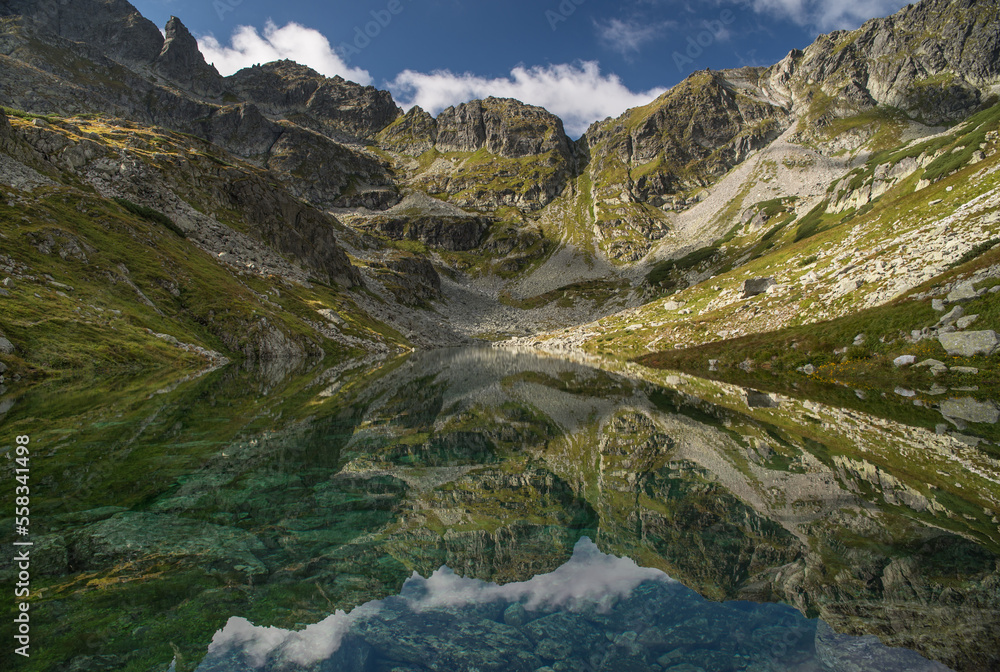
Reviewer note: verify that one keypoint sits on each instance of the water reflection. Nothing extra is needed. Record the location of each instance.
(175, 510)
(595, 612)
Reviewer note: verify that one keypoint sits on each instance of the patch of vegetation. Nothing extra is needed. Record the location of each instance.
(21, 114)
(150, 214)
(812, 223)
(976, 252)
(599, 291)
(663, 269)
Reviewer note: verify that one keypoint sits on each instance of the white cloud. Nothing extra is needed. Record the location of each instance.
(828, 14)
(293, 41)
(589, 579)
(627, 37)
(579, 94)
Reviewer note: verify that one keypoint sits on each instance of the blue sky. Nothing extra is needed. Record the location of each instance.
(581, 59)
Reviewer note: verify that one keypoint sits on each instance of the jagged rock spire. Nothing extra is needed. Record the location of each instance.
(182, 62)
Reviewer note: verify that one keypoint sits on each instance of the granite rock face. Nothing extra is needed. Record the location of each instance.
(241, 129)
(504, 127)
(509, 153)
(182, 62)
(332, 106)
(114, 26)
(447, 233)
(412, 134)
(933, 59)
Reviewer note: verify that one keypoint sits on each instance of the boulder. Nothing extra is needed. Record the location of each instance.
(962, 292)
(966, 322)
(6, 347)
(755, 286)
(952, 316)
(756, 399)
(847, 285)
(970, 343)
(516, 615)
(936, 366)
(904, 360)
(970, 410)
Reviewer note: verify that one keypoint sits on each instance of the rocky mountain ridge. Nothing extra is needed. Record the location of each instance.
(490, 204)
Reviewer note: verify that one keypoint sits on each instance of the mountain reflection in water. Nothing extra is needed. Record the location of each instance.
(217, 523)
(596, 612)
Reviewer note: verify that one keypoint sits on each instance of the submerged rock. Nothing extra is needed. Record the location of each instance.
(845, 653)
(971, 410)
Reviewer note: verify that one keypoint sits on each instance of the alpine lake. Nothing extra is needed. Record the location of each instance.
(499, 510)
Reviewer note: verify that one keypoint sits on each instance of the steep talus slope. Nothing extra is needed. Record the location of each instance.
(657, 158)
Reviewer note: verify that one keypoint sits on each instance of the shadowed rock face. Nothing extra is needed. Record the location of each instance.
(182, 62)
(447, 233)
(242, 129)
(335, 107)
(114, 26)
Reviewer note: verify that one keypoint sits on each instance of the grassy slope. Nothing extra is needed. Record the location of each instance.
(871, 232)
(101, 323)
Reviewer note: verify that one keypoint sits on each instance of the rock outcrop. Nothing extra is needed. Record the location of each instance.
(241, 129)
(508, 153)
(446, 233)
(935, 59)
(181, 62)
(503, 127)
(114, 27)
(333, 106)
(412, 134)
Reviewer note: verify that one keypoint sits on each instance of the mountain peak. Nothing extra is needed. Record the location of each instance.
(114, 26)
(181, 61)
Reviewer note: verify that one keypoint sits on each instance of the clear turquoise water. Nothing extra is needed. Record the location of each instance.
(495, 510)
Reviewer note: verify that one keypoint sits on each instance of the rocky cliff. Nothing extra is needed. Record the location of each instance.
(485, 154)
(724, 169)
(332, 106)
(181, 62)
(936, 60)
